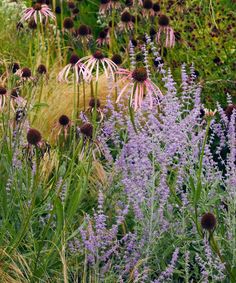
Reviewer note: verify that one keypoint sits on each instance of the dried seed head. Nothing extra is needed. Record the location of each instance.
(15, 67)
(75, 11)
(68, 23)
(3, 91)
(208, 221)
(116, 58)
(74, 59)
(104, 2)
(156, 7)
(25, 72)
(83, 30)
(64, 120)
(33, 136)
(15, 93)
(87, 130)
(139, 74)
(147, 4)
(37, 6)
(98, 55)
(94, 102)
(103, 33)
(163, 21)
(126, 17)
(42, 69)
(129, 3)
(71, 4)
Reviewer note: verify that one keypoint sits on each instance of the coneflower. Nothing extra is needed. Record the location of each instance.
(62, 125)
(71, 5)
(116, 58)
(129, 3)
(77, 68)
(126, 21)
(115, 4)
(40, 11)
(93, 62)
(103, 38)
(164, 28)
(105, 6)
(139, 85)
(14, 67)
(3, 93)
(156, 8)
(34, 137)
(208, 221)
(75, 11)
(83, 33)
(95, 105)
(87, 130)
(147, 10)
(42, 69)
(25, 74)
(68, 24)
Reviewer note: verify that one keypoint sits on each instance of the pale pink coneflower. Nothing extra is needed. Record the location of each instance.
(166, 30)
(115, 4)
(62, 126)
(126, 23)
(139, 85)
(16, 101)
(147, 10)
(104, 38)
(25, 74)
(105, 6)
(38, 10)
(83, 34)
(79, 70)
(96, 60)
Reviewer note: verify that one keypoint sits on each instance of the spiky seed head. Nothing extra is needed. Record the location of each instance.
(94, 102)
(126, 17)
(64, 120)
(156, 7)
(87, 130)
(42, 69)
(147, 4)
(139, 74)
(163, 21)
(116, 58)
(71, 4)
(68, 23)
(37, 6)
(3, 90)
(33, 136)
(98, 55)
(74, 59)
(26, 72)
(83, 30)
(15, 67)
(208, 221)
